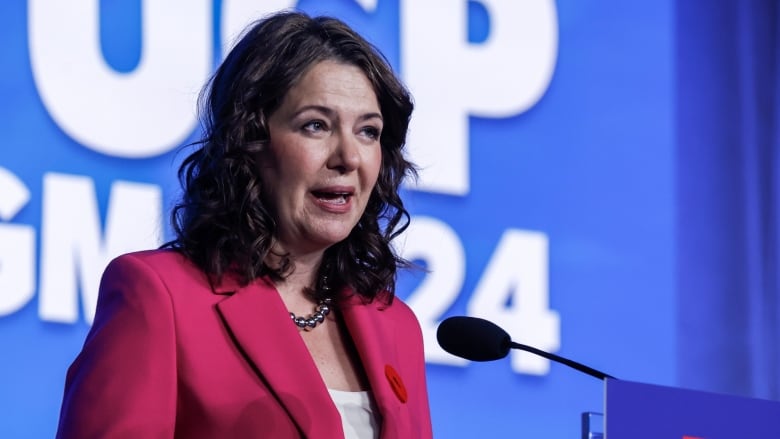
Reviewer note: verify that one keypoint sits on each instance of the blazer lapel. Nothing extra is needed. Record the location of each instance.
(260, 324)
(376, 345)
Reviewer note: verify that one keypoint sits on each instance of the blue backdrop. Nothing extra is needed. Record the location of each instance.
(728, 145)
(599, 178)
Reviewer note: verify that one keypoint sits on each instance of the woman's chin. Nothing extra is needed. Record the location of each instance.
(322, 239)
(333, 238)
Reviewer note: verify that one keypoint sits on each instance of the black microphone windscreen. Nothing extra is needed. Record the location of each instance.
(473, 338)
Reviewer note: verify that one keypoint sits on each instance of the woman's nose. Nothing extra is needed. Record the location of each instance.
(346, 153)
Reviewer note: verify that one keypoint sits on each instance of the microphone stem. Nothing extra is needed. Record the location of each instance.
(573, 364)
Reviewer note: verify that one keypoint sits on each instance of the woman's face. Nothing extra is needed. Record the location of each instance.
(323, 157)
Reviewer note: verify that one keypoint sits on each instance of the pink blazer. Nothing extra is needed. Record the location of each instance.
(168, 357)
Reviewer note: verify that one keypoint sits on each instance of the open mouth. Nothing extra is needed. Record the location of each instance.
(332, 197)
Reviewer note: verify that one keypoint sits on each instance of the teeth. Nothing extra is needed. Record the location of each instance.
(333, 198)
(338, 200)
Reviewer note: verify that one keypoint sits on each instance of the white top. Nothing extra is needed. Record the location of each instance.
(358, 414)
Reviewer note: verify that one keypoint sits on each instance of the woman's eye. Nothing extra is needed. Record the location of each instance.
(372, 132)
(314, 126)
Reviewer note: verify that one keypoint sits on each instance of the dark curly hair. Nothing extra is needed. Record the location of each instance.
(221, 222)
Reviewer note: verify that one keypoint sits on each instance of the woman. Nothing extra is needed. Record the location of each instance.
(272, 313)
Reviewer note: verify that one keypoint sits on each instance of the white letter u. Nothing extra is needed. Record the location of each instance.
(140, 114)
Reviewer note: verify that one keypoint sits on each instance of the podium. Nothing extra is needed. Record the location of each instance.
(645, 411)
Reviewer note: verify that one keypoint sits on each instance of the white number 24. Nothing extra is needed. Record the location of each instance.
(512, 291)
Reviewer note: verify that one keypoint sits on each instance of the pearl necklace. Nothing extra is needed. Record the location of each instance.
(315, 318)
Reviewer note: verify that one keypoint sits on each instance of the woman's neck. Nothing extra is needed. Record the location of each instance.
(302, 277)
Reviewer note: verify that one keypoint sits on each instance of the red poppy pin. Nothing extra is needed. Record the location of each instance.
(396, 383)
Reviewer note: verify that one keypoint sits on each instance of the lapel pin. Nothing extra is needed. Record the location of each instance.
(396, 383)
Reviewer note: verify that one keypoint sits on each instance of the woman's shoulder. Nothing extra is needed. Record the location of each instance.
(167, 264)
(404, 313)
(391, 307)
(398, 306)
(163, 259)
(156, 256)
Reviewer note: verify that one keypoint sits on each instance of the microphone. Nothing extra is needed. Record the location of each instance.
(478, 339)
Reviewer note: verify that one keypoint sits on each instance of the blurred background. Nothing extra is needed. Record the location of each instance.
(599, 178)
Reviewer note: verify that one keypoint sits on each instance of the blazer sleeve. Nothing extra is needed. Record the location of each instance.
(123, 383)
(420, 399)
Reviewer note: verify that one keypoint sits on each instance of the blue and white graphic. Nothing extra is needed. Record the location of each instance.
(560, 192)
